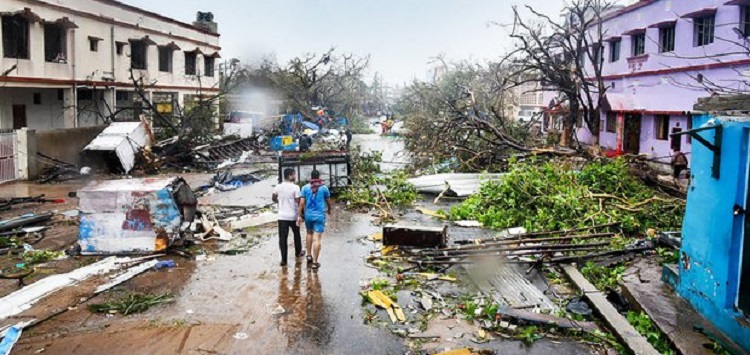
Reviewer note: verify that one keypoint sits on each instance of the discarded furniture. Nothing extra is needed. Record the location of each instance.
(415, 236)
(714, 267)
(135, 216)
(117, 146)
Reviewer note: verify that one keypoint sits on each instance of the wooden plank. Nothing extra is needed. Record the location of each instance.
(542, 318)
(614, 320)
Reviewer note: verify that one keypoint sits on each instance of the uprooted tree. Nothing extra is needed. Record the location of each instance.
(566, 56)
(464, 116)
(330, 80)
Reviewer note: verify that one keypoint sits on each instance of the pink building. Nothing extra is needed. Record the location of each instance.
(659, 57)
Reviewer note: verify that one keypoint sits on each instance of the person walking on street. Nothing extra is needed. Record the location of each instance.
(287, 195)
(314, 205)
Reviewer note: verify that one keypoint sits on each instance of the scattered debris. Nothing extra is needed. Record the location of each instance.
(134, 303)
(26, 297)
(8, 203)
(24, 220)
(395, 312)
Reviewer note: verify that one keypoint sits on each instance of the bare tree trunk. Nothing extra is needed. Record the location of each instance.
(566, 139)
(595, 129)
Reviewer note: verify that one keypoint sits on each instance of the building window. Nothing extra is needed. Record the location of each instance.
(165, 59)
(94, 43)
(120, 47)
(704, 30)
(37, 98)
(614, 51)
(208, 67)
(745, 21)
(639, 44)
(138, 55)
(15, 37)
(191, 59)
(666, 39)
(598, 53)
(611, 125)
(60, 94)
(122, 96)
(661, 127)
(55, 44)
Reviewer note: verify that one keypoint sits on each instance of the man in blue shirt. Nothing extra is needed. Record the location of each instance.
(315, 204)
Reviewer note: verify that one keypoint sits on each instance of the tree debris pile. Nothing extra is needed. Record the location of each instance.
(555, 196)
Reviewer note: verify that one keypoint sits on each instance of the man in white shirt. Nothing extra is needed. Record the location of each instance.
(287, 195)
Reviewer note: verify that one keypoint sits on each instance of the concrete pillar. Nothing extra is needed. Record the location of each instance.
(620, 132)
(109, 106)
(69, 108)
(26, 154)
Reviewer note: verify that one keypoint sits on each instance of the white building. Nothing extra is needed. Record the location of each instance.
(528, 101)
(66, 64)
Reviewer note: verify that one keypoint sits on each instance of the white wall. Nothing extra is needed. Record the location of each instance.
(92, 19)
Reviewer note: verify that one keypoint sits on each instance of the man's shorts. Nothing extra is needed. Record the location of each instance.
(315, 223)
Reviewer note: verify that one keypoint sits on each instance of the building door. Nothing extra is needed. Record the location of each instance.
(676, 142)
(19, 116)
(632, 134)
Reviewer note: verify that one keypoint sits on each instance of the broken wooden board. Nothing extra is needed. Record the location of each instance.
(415, 236)
(614, 320)
(541, 318)
(674, 316)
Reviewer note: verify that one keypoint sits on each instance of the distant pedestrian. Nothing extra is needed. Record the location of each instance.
(679, 163)
(314, 205)
(287, 195)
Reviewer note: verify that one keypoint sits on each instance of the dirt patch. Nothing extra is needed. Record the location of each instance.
(139, 338)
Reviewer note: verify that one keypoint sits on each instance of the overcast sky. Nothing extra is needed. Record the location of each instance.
(400, 35)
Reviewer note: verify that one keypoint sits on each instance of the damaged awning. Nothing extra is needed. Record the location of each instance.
(620, 102)
(124, 139)
(617, 102)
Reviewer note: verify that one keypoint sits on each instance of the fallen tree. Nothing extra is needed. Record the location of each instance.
(554, 196)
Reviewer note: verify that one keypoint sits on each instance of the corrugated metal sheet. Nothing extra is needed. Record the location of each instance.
(461, 184)
(509, 287)
(126, 139)
(132, 216)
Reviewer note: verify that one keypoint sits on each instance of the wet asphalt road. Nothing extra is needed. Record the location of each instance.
(290, 310)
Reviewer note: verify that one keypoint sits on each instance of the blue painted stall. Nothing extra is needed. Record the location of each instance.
(714, 230)
(133, 216)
